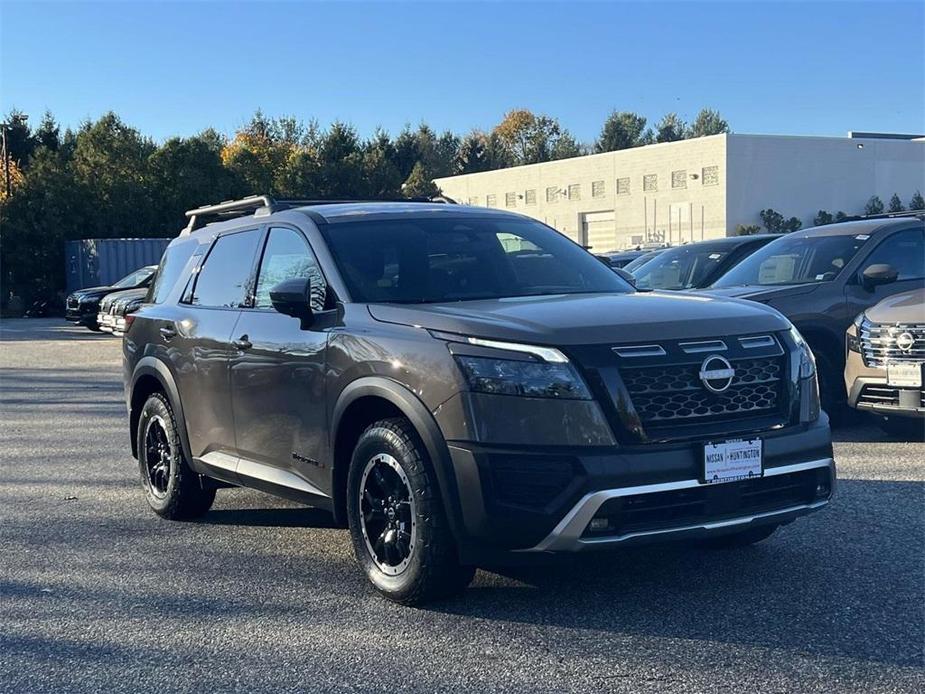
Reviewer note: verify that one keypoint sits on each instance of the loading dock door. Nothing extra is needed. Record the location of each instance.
(599, 231)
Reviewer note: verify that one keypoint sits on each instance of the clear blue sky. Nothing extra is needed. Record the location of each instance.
(173, 69)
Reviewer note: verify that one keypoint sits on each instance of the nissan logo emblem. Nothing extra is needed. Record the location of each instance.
(716, 374)
(905, 342)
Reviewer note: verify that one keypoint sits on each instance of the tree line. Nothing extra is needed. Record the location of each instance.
(106, 179)
(773, 222)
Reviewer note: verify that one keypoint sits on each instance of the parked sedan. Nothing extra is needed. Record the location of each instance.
(885, 358)
(115, 306)
(697, 265)
(83, 306)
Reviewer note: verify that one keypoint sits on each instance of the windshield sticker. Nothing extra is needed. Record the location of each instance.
(862, 237)
(714, 256)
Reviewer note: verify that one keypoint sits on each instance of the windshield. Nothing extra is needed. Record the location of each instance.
(453, 259)
(134, 279)
(794, 260)
(637, 263)
(681, 268)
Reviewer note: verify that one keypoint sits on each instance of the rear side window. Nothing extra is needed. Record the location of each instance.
(225, 278)
(168, 272)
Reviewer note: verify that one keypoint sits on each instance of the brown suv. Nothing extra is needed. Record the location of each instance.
(462, 386)
(885, 353)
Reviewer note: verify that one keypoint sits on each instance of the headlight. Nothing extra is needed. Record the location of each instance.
(533, 379)
(853, 339)
(807, 360)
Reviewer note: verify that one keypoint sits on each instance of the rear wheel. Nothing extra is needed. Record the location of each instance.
(743, 538)
(397, 523)
(172, 489)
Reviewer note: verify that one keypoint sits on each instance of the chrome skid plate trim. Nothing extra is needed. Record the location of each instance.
(567, 535)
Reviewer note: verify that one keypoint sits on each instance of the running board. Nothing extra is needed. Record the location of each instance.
(252, 470)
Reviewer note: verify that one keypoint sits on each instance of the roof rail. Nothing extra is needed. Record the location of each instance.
(882, 215)
(264, 205)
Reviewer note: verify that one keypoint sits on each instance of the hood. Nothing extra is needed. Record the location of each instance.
(908, 307)
(92, 292)
(121, 296)
(588, 318)
(759, 293)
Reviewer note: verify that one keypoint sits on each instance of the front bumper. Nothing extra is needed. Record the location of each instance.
(106, 321)
(530, 500)
(869, 391)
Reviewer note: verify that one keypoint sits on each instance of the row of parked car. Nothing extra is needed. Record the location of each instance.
(104, 309)
(853, 290)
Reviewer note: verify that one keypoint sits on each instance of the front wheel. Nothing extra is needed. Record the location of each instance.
(397, 523)
(171, 488)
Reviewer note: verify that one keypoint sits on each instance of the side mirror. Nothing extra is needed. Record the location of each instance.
(293, 298)
(877, 274)
(628, 276)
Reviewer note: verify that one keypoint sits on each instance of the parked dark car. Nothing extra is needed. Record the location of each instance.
(83, 306)
(114, 307)
(462, 386)
(619, 259)
(643, 259)
(821, 278)
(699, 264)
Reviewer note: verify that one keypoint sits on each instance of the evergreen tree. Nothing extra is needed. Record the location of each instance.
(917, 202)
(874, 205)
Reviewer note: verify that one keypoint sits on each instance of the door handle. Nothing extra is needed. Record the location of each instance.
(242, 342)
(168, 332)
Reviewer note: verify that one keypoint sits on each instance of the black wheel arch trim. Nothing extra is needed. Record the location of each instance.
(424, 423)
(151, 366)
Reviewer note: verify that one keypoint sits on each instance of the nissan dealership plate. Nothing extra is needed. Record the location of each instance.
(904, 375)
(731, 461)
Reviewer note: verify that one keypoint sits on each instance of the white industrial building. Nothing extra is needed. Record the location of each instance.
(676, 192)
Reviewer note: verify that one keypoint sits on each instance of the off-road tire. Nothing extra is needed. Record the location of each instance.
(743, 538)
(433, 570)
(184, 497)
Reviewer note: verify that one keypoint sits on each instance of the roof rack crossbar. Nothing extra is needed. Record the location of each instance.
(883, 215)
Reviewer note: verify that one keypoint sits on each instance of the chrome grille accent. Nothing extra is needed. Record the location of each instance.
(757, 341)
(703, 346)
(878, 343)
(640, 351)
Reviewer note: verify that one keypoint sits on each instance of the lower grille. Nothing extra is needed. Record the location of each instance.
(675, 394)
(681, 507)
(884, 396)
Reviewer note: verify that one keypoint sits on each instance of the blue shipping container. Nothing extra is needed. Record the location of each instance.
(101, 262)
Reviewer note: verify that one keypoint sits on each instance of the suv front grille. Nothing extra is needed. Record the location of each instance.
(879, 343)
(674, 393)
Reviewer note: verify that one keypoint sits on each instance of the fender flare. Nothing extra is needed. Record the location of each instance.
(424, 423)
(151, 366)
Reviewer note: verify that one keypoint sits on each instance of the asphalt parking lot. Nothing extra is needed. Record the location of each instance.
(98, 594)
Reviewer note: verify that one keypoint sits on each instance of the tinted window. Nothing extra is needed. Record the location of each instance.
(225, 278)
(905, 251)
(681, 268)
(453, 259)
(286, 257)
(795, 259)
(134, 279)
(168, 271)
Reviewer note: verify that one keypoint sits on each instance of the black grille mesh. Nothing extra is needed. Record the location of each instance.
(670, 393)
